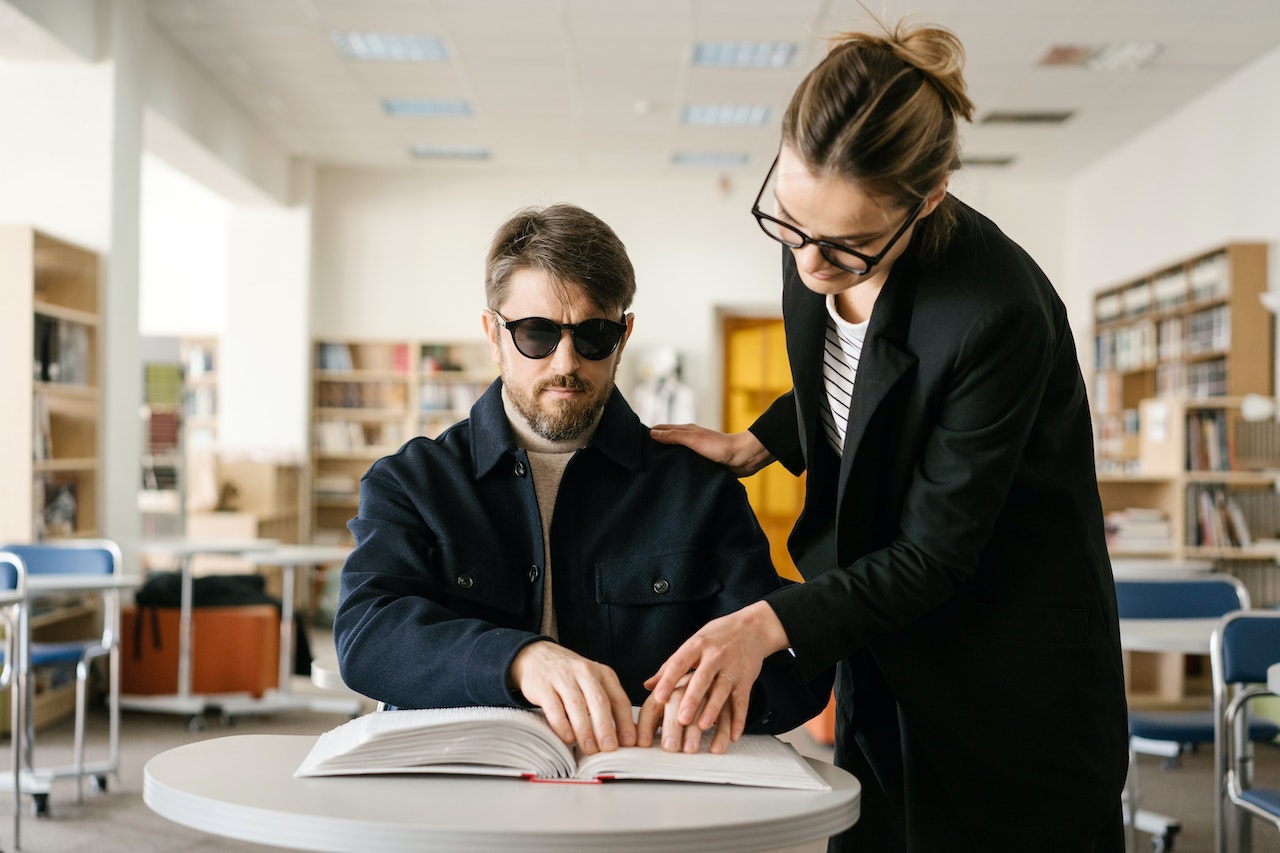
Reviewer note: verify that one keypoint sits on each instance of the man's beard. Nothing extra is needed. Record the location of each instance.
(560, 420)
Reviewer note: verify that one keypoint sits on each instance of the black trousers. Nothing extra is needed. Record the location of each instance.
(905, 808)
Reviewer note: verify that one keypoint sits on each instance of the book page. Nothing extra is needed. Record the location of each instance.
(441, 740)
(755, 760)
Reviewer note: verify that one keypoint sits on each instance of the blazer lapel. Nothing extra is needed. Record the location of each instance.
(805, 319)
(885, 359)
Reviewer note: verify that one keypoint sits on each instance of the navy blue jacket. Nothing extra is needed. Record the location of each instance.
(648, 543)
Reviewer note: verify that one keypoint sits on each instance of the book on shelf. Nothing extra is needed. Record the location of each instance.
(1138, 529)
(491, 741)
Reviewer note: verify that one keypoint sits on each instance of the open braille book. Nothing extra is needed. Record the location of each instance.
(515, 742)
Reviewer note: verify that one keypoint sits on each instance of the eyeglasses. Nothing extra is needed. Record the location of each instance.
(847, 259)
(538, 337)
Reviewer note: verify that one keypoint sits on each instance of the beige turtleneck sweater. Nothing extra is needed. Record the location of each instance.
(547, 461)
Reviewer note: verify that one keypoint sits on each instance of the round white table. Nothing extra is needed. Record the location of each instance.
(1158, 567)
(1188, 636)
(243, 787)
(1273, 678)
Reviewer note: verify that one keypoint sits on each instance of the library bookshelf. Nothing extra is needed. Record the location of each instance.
(49, 437)
(1176, 354)
(370, 397)
(53, 408)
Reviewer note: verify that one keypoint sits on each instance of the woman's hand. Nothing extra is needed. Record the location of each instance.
(716, 668)
(677, 737)
(740, 452)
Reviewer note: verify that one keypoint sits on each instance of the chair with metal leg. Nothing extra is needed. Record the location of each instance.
(12, 576)
(1169, 733)
(1242, 648)
(57, 567)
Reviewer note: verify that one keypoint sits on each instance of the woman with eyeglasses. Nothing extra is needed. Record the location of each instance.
(952, 534)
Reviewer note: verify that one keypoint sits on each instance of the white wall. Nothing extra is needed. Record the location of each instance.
(185, 244)
(55, 149)
(1208, 175)
(402, 254)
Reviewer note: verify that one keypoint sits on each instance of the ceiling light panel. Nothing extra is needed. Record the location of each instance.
(448, 152)
(726, 115)
(426, 107)
(711, 159)
(745, 54)
(390, 47)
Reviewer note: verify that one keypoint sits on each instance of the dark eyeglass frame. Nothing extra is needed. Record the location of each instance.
(513, 326)
(826, 247)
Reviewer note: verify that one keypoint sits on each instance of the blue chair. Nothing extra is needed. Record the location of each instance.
(65, 558)
(1168, 733)
(1243, 647)
(12, 592)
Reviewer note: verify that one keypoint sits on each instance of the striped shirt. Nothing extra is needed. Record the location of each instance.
(840, 357)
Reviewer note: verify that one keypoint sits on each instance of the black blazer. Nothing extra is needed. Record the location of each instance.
(960, 537)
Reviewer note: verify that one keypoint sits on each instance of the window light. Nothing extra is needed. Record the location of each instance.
(745, 54)
(426, 107)
(727, 115)
(390, 46)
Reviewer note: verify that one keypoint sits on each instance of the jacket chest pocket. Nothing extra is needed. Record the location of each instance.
(655, 602)
(478, 584)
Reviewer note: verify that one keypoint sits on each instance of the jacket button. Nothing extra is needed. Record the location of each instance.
(520, 469)
(660, 587)
(465, 581)
(534, 574)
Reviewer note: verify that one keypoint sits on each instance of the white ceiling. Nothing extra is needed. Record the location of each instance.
(600, 84)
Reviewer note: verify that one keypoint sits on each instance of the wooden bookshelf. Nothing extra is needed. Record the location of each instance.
(49, 453)
(1193, 329)
(369, 398)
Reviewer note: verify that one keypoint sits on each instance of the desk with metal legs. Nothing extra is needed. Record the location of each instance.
(290, 558)
(185, 701)
(257, 552)
(1181, 636)
(243, 787)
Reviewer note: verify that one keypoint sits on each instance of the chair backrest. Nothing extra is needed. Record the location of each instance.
(69, 557)
(1243, 646)
(12, 572)
(1180, 598)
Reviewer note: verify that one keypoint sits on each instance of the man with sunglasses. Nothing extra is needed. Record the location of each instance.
(547, 552)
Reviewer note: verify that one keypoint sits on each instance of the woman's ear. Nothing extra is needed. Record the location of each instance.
(935, 197)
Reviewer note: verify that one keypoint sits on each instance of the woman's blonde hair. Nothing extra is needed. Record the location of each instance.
(883, 111)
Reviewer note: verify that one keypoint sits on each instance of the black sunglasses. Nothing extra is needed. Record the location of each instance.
(538, 337)
(847, 259)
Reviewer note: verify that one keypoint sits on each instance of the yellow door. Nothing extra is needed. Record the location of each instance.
(756, 374)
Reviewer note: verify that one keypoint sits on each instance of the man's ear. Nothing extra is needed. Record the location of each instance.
(491, 330)
(630, 320)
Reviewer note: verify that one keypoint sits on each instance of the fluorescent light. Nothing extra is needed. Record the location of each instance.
(1124, 56)
(448, 152)
(1120, 56)
(745, 54)
(701, 158)
(727, 115)
(426, 107)
(390, 46)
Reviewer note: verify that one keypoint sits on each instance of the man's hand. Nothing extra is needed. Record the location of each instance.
(582, 700)
(717, 666)
(740, 452)
(677, 737)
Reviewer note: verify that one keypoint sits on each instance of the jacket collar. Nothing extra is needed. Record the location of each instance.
(619, 436)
